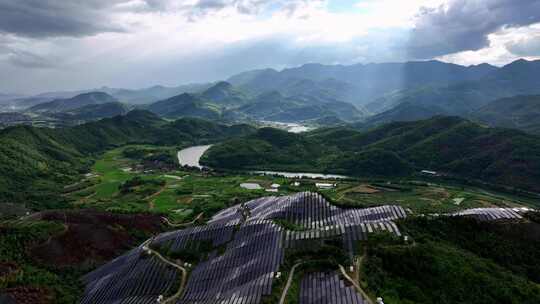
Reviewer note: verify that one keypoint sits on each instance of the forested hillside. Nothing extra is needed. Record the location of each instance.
(448, 144)
(462, 98)
(36, 162)
(519, 112)
(226, 102)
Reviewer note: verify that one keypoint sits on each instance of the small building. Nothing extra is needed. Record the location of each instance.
(296, 184)
(272, 190)
(275, 186)
(428, 172)
(251, 186)
(325, 185)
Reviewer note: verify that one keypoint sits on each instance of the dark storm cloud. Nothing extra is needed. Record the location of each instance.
(276, 52)
(465, 25)
(78, 18)
(29, 60)
(52, 18)
(21, 58)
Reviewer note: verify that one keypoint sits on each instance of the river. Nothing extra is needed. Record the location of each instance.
(301, 174)
(289, 126)
(192, 155)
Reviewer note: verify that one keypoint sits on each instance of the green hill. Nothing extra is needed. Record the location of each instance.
(224, 94)
(93, 112)
(37, 162)
(185, 105)
(519, 112)
(273, 106)
(63, 105)
(451, 145)
(225, 102)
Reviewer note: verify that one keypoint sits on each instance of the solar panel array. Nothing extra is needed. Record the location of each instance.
(491, 214)
(132, 278)
(313, 211)
(327, 288)
(254, 251)
(244, 273)
(218, 234)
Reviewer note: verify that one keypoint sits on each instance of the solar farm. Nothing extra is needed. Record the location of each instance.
(244, 250)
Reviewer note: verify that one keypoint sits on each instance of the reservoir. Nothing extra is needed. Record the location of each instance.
(191, 156)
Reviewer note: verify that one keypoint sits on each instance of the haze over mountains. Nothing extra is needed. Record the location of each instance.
(364, 94)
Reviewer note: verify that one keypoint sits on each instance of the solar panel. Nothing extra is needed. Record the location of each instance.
(327, 288)
(254, 251)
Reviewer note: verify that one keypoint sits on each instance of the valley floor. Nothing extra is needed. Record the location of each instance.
(129, 189)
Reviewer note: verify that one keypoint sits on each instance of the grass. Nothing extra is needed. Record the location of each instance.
(195, 192)
(180, 199)
(420, 197)
(109, 168)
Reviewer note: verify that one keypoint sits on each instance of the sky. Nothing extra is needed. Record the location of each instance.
(51, 45)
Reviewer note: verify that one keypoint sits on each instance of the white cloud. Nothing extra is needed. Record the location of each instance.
(170, 42)
(499, 51)
(525, 43)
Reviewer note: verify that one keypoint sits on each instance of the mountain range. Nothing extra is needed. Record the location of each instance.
(464, 98)
(226, 102)
(360, 83)
(518, 112)
(365, 94)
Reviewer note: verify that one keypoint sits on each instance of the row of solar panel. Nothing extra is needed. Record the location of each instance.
(139, 279)
(327, 288)
(244, 273)
(488, 214)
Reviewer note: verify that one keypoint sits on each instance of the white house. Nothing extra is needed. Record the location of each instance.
(325, 185)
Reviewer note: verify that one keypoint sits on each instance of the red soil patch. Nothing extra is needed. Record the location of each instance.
(92, 237)
(364, 189)
(30, 295)
(7, 268)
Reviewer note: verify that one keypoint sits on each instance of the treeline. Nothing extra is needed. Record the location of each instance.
(445, 144)
(457, 260)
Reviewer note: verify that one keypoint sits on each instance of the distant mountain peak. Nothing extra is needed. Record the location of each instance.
(221, 89)
(522, 66)
(62, 105)
(222, 85)
(138, 113)
(96, 94)
(481, 65)
(520, 61)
